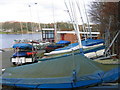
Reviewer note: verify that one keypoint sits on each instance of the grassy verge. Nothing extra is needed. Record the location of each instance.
(10, 33)
(109, 61)
(16, 32)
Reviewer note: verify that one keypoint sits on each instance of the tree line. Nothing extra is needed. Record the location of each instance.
(32, 26)
(24, 27)
(107, 16)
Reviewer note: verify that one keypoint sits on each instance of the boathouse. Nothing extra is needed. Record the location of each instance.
(71, 36)
(48, 34)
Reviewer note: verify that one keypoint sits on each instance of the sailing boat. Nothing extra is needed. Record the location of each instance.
(88, 46)
(69, 71)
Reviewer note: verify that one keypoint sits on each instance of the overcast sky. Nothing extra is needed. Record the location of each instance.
(45, 11)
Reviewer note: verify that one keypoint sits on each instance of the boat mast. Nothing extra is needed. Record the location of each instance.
(88, 25)
(31, 18)
(27, 26)
(55, 24)
(38, 16)
(1, 26)
(73, 17)
(83, 24)
(75, 23)
(21, 27)
(112, 43)
(107, 37)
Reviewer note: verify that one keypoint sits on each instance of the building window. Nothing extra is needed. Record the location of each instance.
(48, 35)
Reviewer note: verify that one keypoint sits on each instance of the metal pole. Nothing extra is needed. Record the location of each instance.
(55, 24)
(112, 42)
(77, 3)
(21, 27)
(89, 29)
(38, 16)
(27, 27)
(76, 24)
(31, 19)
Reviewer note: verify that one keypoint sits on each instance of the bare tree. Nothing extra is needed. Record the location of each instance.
(106, 15)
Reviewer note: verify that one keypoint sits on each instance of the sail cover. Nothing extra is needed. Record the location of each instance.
(87, 42)
(90, 42)
(63, 42)
(23, 46)
(68, 71)
(67, 47)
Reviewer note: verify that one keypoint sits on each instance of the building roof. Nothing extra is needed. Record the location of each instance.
(45, 29)
(73, 32)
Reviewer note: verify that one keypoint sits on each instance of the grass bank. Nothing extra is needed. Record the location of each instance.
(17, 32)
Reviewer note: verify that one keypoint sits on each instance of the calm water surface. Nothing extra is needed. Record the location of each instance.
(6, 40)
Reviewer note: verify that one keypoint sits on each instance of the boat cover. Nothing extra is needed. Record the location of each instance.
(87, 42)
(87, 49)
(54, 46)
(90, 42)
(23, 46)
(67, 47)
(20, 53)
(23, 53)
(63, 42)
(68, 71)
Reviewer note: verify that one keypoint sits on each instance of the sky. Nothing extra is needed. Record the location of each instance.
(43, 11)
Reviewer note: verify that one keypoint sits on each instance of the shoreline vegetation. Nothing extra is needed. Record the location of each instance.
(6, 49)
(19, 32)
(17, 27)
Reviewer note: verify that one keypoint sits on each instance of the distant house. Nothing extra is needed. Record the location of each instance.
(1, 30)
(8, 30)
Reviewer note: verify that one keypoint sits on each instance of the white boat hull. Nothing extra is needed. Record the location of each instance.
(21, 60)
(71, 49)
(95, 54)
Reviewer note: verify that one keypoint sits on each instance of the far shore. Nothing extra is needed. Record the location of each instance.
(7, 49)
(19, 32)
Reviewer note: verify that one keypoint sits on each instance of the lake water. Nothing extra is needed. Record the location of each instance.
(6, 40)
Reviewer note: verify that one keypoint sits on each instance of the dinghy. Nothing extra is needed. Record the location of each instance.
(70, 71)
(88, 45)
(57, 45)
